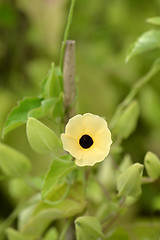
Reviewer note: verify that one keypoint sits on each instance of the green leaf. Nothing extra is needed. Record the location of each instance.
(58, 112)
(152, 165)
(43, 110)
(154, 20)
(52, 85)
(127, 122)
(18, 115)
(148, 41)
(58, 169)
(41, 138)
(34, 219)
(12, 234)
(12, 162)
(52, 234)
(129, 181)
(88, 228)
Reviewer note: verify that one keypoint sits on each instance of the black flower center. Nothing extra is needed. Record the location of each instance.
(86, 141)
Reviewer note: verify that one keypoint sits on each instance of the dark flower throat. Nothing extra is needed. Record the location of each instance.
(86, 141)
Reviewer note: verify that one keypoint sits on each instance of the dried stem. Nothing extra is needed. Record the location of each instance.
(69, 80)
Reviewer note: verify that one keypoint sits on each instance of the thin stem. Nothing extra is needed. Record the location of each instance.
(64, 231)
(66, 33)
(147, 180)
(135, 90)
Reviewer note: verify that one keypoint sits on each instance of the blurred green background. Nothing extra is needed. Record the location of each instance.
(30, 39)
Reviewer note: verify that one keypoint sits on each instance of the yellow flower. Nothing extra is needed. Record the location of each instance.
(87, 138)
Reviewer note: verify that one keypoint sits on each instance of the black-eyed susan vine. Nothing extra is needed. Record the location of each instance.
(85, 189)
(87, 138)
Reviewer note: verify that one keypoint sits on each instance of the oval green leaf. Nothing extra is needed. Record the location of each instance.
(88, 228)
(148, 41)
(18, 115)
(41, 138)
(58, 169)
(12, 162)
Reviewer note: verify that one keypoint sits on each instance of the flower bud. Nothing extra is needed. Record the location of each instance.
(129, 181)
(127, 121)
(152, 165)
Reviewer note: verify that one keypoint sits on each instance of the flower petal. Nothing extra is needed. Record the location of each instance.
(90, 157)
(92, 124)
(71, 146)
(103, 141)
(74, 127)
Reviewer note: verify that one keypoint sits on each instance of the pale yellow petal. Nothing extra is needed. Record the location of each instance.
(90, 157)
(92, 124)
(74, 127)
(72, 146)
(103, 141)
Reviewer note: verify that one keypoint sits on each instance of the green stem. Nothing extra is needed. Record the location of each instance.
(135, 90)
(66, 33)
(63, 232)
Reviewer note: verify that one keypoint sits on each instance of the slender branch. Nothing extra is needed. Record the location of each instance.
(135, 90)
(65, 229)
(66, 33)
(69, 80)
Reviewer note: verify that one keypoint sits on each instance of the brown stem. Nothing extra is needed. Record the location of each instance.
(69, 80)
